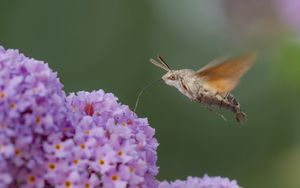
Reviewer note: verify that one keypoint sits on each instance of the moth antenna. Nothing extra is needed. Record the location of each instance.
(142, 91)
(162, 61)
(159, 65)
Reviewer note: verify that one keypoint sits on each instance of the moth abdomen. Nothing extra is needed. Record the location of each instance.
(240, 117)
(229, 102)
(234, 106)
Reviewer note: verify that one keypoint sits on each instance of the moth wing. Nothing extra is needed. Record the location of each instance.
(224, 75)
(214, 63)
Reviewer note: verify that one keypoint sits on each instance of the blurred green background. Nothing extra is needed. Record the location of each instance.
(107, 44)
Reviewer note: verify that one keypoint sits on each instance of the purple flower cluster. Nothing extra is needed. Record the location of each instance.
(88, 139)
(33, 106)
(204, 182)
(48, 139)
(110, 147)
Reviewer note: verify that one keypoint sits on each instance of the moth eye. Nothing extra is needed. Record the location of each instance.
(172, 77)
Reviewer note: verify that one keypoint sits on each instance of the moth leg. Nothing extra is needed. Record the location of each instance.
(215, 111)
(194, 99)
(221, 97)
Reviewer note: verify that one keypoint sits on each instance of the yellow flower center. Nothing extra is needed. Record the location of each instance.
(51, 166)
(76, 161)
(115, 177)
(31, 179)
(38, 120)
(2, 95)
(82, 146)
(13, 105)
(18, 152)
(58, 146)
(120, 153)
(68, 184)
(131, 169)
(101, 162)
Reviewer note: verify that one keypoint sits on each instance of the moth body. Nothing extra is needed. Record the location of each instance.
(212, 84)
(196, 90)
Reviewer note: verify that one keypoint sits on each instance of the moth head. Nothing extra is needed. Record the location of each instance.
(171, 78)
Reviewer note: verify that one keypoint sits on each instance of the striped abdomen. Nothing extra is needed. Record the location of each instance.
(229, 102)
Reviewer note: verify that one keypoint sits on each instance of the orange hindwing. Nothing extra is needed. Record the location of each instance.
(225, 75)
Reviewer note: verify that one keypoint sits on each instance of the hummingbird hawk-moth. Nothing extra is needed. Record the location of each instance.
(212, 84)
